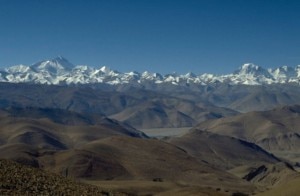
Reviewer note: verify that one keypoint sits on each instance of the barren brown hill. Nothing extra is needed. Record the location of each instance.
(289, 187)
(276, 130)
(122, 158)
(243, 159)
(222, 151)
(170, 112)
(24, 139)
(154, 115)
(272, 175)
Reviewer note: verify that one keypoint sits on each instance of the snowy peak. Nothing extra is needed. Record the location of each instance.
(18, 69)
(105, 69)
(251, 69)
(151, 76)
(284, 71)
(63, 62)
(190, 75)
(60, 71)
(58, 65)
(285, 74)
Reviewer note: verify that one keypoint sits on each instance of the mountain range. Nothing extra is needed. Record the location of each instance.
(237, 133)
(60, 71)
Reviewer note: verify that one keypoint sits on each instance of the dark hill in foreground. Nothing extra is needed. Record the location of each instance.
(16, 179)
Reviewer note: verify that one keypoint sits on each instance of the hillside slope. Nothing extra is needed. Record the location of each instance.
(16, 179)
(276, 130)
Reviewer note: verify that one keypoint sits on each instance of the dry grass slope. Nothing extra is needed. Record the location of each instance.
(276, 130)
(16, 179)
(221, 151)
(290, 188)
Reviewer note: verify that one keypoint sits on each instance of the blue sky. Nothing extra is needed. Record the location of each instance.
(214, 36)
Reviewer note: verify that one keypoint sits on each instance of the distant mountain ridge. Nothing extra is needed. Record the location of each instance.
(60, 71)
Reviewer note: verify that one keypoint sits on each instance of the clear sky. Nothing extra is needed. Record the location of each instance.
(214, 36)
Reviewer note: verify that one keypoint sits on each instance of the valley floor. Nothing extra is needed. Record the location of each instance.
(166, 132)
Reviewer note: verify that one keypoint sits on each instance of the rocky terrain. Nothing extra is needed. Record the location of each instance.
(16, 179)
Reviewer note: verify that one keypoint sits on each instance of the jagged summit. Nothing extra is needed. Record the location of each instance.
(190, 75)
(252, 69)
(105, 69)
(248, 68)
(57, 65)
(60, 71)
(284, 71)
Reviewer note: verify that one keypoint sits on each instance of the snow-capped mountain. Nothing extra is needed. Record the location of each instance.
(251, 69)
(56, 66)
(60, 71)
